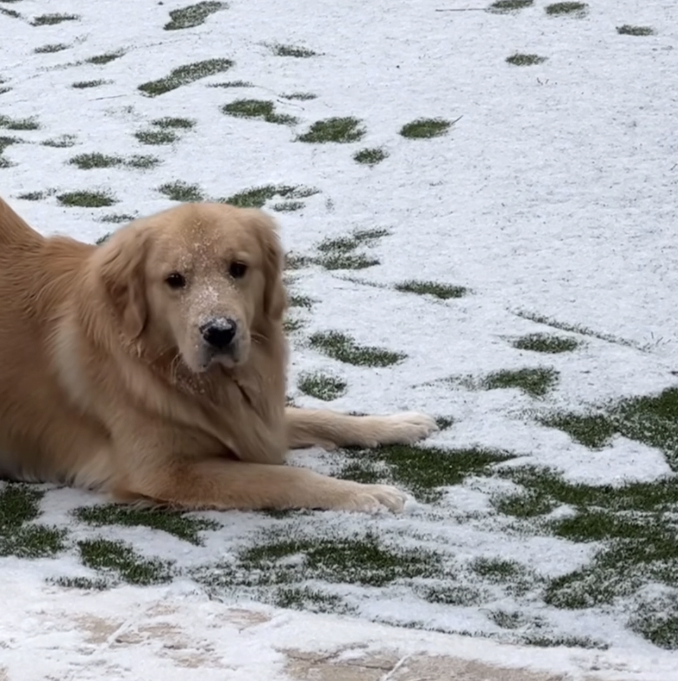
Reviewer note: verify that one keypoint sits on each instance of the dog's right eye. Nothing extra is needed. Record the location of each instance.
(175, 280)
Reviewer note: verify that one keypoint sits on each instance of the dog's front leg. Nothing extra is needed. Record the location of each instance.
(329, 429)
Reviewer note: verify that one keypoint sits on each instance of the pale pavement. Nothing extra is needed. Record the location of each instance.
(176, 634)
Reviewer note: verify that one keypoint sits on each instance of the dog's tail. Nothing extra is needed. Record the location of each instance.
(14, 231)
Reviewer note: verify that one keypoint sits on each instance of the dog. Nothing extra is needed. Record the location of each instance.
(153, 368)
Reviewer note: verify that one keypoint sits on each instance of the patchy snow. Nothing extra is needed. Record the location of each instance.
(553, 194)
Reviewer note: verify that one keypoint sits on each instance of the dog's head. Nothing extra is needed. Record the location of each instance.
(200, 278)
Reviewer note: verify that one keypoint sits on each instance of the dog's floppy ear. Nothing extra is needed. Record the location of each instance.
(121, 268)
(275, 297)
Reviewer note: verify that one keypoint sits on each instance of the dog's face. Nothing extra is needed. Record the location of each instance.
(201, 278)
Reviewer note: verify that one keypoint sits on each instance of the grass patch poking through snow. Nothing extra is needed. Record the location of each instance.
(53, 47)
(18, 123)
(86, 84)
(258, 196)
(546, 342)
(652, 420)
(322, 386)
(257, 108)
(292, 51)
(123, 561)
(106, 58)
(533, 382)
(185, 75)
(342, 253)
(193, 15)
(86, 199)
(508, 6)
(182, 191)
(424, 471)
(519, 59)
(627, 29)
(337, 129)
(180, 525)
(432, 288)
(19, 536)
(425, 128)
(370, 157)
(343, 348)
(52, 19)
(577, 9)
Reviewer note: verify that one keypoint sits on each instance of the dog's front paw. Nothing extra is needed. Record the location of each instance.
(373, 499)
(407, 427)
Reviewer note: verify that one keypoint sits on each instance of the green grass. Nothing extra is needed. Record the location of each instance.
(156, 137)
(106, 58)
(370, 157)
(193, 15)
(341, 253)
(32, 196)
(520, 59)
(18, 123)
(365, 560)
(454, 594)
(182, 191)
(53, 47)
(19, 536)
(182, 526)
(322, 386)
(86, 84)
(300, 96)
(258, 196)
(8, 141)
(560, 8)
(10, 13)
(292, 51)
(141, 162)
(61, 142)
(507, 6)
(95, 160)
(337, 129)
(117, 218)
(184, 75)
(288, 206)
(656, 619)
(627, 29)
(652, 420)
(424, 471)
(257, 108)
(52, 19)
(83, 583)
(124, 562)
(533, 382)
(425, 128)
(547, 343)
(86, 199)
(310, 600)
(344, 349)
(432, 288)
(173, 123)
(232, 83)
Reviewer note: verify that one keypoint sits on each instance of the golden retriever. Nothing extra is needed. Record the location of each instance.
(153, 368)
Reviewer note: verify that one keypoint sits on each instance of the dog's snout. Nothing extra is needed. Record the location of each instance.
(219, 333)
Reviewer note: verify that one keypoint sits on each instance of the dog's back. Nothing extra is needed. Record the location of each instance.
(37, 277)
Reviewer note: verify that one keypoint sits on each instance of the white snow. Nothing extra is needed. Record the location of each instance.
(553, 194)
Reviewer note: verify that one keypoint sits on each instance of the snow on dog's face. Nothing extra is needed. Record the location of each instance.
(200, 278)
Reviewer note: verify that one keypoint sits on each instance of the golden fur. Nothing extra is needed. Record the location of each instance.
(107, 380)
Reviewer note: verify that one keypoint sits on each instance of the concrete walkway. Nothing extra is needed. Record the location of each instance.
(176, 634)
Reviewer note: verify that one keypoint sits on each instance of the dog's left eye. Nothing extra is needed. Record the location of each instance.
(237, 270)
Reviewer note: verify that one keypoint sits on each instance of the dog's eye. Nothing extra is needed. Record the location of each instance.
(175, 280)
(237, 270)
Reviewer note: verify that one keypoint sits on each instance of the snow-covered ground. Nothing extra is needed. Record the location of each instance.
(552, 196)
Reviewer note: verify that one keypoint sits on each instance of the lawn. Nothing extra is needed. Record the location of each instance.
(478, 210)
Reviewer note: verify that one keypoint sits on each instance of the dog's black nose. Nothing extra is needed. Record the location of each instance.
(219, 333)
